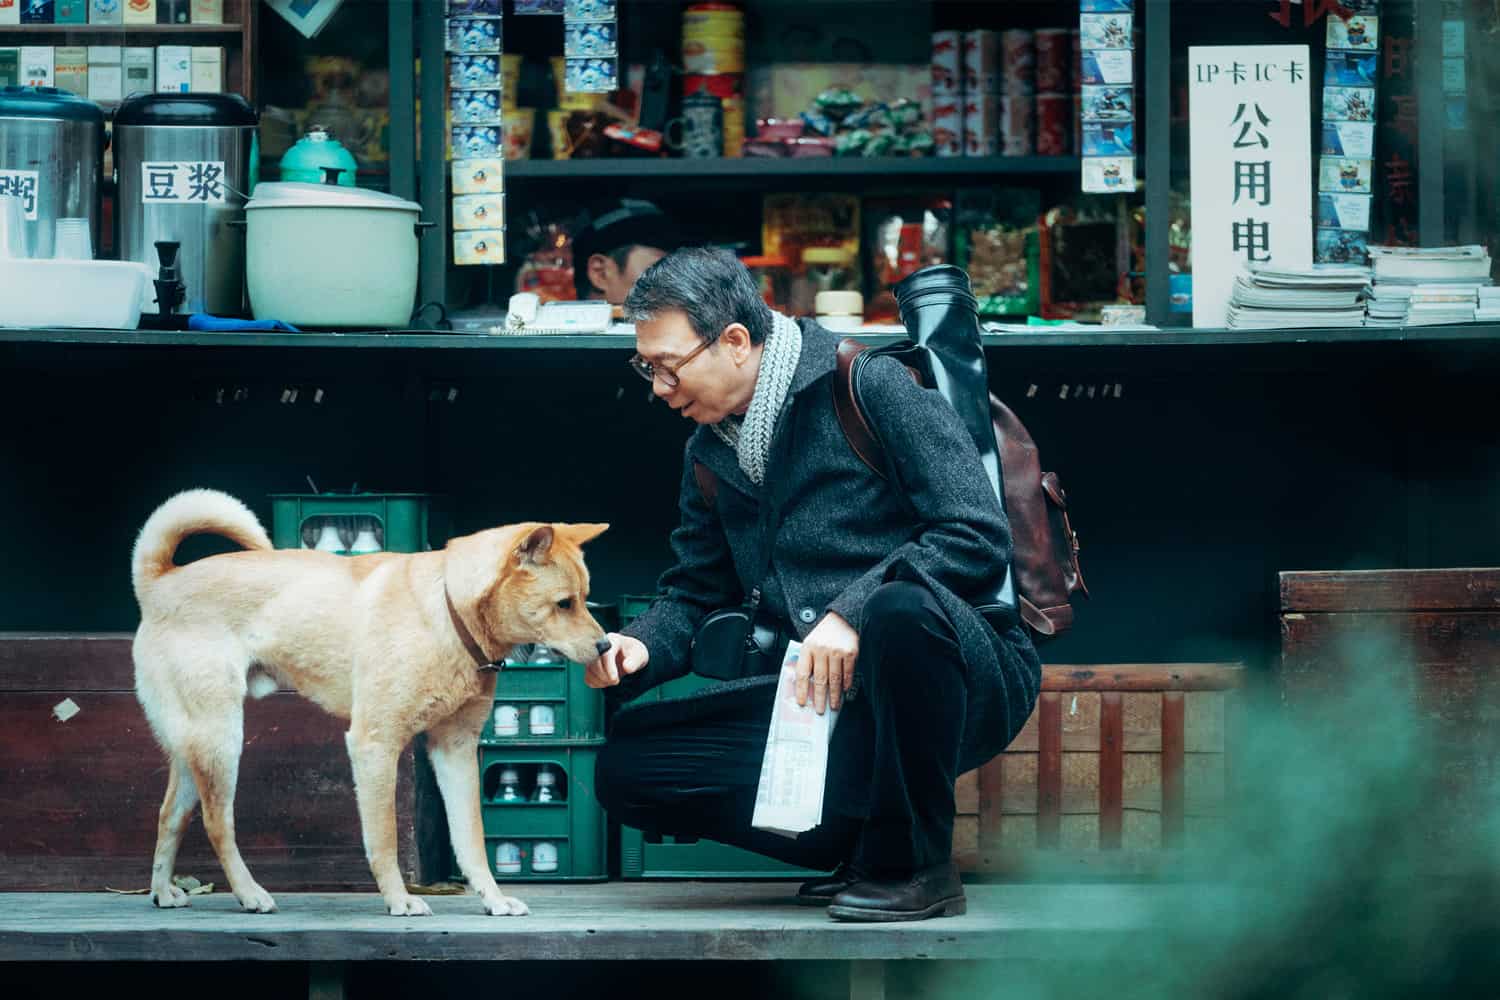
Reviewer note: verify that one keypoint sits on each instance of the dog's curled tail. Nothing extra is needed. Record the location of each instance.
(193, 512)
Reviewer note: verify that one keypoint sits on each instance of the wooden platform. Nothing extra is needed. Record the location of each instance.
(608, 922)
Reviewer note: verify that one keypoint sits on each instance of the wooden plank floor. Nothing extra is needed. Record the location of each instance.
(615, 921)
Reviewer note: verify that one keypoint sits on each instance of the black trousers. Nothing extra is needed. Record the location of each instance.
(889, 804)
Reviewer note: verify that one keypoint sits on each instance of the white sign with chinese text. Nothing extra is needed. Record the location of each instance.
(22, 184)
(1251, 166)
(183, 183)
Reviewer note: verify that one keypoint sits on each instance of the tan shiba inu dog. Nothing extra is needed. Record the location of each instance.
(391, 642)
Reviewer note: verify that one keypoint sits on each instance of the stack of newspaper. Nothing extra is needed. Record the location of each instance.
(1489, 305)
(794, 770)
(1387, 304)
(1430, 265)
(1421, 286)
(1434, 304)
(1324, 295)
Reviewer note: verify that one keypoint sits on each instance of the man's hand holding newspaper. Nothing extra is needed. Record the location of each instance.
(795, 768)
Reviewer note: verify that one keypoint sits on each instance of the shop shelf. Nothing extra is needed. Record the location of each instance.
(854, 166)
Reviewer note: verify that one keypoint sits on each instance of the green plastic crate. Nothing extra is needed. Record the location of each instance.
(576, 825)
(405, 519)
(678, 688)
(631, 606)
(671, 857)
(579, 709)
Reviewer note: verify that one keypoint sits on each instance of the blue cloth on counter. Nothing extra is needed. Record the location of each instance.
(220, 324)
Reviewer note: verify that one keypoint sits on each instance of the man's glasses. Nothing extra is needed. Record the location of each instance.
(664, 371)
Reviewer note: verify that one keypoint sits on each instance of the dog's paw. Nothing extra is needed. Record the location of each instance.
(408, 906)
(500, 905)
(169, 897)
(256, 900)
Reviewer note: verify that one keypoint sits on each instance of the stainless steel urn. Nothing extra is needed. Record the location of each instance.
(183, 164)
(51, 157)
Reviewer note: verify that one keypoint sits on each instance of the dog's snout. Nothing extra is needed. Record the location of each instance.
(601, 646)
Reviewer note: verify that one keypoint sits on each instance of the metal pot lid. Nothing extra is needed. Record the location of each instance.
(202, 110)
(47, 102)
(295, 194)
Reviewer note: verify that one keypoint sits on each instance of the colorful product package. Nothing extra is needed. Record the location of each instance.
(903, 235)
(995, 239)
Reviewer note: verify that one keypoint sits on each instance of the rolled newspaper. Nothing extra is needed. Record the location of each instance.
(794, 770)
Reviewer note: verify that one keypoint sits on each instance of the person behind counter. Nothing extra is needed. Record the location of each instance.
(621, 240)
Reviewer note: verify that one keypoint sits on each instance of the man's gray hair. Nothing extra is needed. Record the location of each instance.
(710, 286)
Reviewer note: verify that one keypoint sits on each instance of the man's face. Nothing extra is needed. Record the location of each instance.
(616, 281)
(713, 383)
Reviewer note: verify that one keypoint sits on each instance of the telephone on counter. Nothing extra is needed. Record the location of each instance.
(528, 314)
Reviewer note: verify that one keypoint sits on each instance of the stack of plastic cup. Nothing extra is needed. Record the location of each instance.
(74, 241)
(12, 231)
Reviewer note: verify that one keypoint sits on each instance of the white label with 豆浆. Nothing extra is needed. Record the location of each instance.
(183, 183)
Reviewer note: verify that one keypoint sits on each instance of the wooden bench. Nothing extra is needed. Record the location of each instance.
(1100, 778)
(1119, 765)
(80, 797)
(615, 922)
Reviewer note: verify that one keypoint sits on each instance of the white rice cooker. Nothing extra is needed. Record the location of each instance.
(325, 255)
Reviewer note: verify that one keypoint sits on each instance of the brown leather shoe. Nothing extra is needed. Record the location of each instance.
(931, 892)
(820, 891)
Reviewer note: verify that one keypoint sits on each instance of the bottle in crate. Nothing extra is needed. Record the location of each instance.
(541, 720)
(510, 786)
(546, 785)
(544, 857)
(356, 523)
(508, 858)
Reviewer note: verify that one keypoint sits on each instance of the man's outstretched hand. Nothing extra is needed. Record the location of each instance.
(625, 656)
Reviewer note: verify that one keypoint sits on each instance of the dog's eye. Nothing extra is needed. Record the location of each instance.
(566, 604)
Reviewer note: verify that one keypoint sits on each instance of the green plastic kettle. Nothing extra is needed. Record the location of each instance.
(309, 158)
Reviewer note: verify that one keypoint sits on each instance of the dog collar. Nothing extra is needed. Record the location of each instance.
(466, 637)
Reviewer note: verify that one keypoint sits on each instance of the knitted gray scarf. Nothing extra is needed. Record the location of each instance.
(751, 437)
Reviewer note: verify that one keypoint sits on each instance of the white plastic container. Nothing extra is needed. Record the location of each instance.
(325, 255)
(544, 857)
(88, 294)
(840, 311)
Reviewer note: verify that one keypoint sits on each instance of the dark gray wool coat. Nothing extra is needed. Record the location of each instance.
(843, 531)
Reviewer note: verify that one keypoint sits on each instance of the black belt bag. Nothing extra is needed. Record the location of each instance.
(732, 643)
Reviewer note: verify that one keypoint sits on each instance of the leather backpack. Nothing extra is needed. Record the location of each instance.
(1044, 560)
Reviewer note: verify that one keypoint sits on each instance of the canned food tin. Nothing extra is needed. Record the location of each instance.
(1054, 128)
(1018, 48)
(981, 62)
(981, 125)
(1017, 126)
(947, 63)
(1054, 58)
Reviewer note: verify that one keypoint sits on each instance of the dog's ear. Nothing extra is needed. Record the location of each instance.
(581, 533)
(535, 546)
